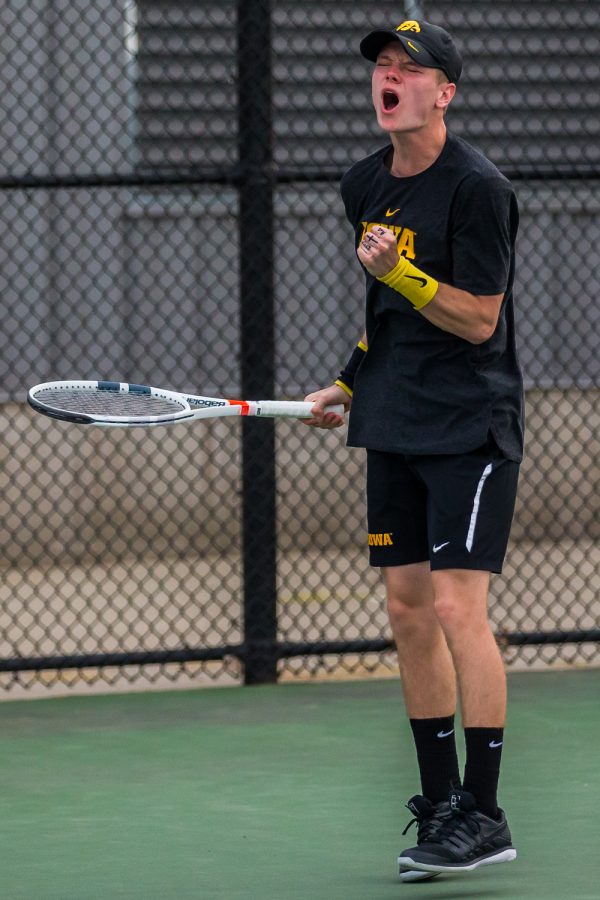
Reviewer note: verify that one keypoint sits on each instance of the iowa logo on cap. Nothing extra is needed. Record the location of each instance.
(409, 25)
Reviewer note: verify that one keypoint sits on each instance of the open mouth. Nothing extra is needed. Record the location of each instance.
(390, 100)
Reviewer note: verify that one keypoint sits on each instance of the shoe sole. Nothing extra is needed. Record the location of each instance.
(507, 855)
(407, 875)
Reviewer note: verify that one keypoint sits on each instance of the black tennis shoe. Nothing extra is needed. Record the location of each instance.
(463, 841)
(428, 817)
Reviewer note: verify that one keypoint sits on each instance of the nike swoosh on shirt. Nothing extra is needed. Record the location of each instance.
(391, 212)
(423, 281)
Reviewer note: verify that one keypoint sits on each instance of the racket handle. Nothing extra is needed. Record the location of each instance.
(297, 409)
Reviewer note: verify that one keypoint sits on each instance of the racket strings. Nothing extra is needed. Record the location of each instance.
(109, 403)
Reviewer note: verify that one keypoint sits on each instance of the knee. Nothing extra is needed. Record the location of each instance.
(407, 614)
(450, 612)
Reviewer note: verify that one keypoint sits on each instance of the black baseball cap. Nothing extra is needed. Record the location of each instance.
(429, 45)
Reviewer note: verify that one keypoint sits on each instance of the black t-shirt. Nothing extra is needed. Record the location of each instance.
(420, 389)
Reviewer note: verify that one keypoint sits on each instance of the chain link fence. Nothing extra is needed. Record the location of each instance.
(163, 180)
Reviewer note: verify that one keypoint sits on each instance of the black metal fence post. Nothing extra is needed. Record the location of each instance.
(257, 337)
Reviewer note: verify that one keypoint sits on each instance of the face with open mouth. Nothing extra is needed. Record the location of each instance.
(404, 93)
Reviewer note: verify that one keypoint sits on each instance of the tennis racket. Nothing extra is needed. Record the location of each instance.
(118, 403)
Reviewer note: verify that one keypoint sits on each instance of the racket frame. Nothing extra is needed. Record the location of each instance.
(205, 407)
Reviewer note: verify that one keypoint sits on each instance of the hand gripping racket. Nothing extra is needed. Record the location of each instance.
(118, 403)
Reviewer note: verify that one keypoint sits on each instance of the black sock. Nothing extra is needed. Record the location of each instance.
(484, 750)
(436, 755)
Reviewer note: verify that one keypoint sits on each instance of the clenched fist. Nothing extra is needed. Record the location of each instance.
(378, 251)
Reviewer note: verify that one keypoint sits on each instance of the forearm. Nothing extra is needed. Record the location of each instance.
(463, 314)
(468, 316)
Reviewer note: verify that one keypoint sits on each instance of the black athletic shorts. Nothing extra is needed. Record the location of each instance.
(453, 510)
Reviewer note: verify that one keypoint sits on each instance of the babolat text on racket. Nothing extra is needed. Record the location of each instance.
(118, 403)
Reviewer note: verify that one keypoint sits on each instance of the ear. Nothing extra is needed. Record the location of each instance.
(446, 92)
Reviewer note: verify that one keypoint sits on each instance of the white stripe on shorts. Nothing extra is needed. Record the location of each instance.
(475, 510)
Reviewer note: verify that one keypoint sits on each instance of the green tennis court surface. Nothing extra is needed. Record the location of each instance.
(294, 791)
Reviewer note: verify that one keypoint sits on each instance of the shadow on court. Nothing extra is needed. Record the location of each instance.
(292, 791)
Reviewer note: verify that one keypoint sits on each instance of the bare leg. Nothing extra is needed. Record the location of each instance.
(426, 670)
(461, 608)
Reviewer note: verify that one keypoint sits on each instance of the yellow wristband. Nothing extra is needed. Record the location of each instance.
(412, 283)
(343, 386)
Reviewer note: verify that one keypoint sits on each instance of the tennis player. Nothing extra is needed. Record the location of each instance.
(436, 399)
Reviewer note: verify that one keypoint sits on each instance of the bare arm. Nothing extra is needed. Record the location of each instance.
(472, 317)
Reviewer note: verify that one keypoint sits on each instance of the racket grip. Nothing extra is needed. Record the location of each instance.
(297, 409)
(336, 408)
